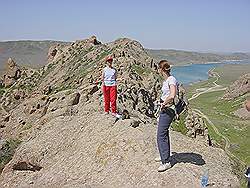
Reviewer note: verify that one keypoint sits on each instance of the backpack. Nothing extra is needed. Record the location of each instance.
(180, 103)
(179, 106)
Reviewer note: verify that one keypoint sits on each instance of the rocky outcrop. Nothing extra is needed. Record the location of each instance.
(94, 40)
(238, 88)
(1, 82)
(12, 74)
(195, 125)
(52, 52)
(90, 150)
(242, 113)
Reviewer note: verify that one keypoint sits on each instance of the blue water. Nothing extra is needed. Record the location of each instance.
(198, 72)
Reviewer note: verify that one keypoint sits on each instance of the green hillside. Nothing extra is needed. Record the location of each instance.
(220, 111)
(179, 57)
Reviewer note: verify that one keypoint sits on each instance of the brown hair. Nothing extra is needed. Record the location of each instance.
(164, 65)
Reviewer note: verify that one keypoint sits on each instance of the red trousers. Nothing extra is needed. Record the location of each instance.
(110, 95)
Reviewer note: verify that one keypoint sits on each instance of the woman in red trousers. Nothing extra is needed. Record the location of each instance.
(109, 77)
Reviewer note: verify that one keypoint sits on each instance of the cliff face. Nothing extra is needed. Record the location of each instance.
(68, 142)
(238, 88)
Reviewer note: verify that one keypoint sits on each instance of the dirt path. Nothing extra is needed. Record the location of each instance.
(216, 87)
(227, 141)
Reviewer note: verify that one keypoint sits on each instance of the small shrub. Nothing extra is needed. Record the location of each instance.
(2, 91)
(27, 126)
(180, 125)
(7, 151)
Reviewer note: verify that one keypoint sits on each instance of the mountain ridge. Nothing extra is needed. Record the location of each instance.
(56, 112)
(33, 53)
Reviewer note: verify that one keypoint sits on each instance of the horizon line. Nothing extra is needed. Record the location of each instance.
(176, 49)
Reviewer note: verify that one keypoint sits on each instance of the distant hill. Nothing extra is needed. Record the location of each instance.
(185, 57)
(29, 53)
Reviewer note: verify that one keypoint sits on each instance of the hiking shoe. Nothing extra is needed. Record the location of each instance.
(116, 115)
(158, 159)
(164, 167)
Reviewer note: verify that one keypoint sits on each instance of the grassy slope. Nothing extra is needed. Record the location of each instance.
(230, 73)
(220, 112)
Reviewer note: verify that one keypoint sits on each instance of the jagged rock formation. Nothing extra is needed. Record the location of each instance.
(80, 65)
(53, 51)
(195, 125)
(17, 82)
(238, 88)
(77, 67)
(13, 73)
(67, 141)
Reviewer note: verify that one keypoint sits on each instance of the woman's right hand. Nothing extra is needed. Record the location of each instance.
(162, 106)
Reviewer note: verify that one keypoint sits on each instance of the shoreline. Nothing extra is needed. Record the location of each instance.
(210, 75)
(210, 71)
(209, 62)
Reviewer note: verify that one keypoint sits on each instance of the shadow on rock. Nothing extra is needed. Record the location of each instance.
(192, 158)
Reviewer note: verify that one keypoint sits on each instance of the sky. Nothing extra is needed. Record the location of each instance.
(193, 25)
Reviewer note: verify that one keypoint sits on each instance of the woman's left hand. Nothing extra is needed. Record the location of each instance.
(163, 105)
(120, 79)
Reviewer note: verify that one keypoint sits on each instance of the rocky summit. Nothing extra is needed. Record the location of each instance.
(54, 132)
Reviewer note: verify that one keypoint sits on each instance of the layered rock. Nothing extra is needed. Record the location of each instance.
(238, 88)
(195, 125)
(242, 113)
(12, 74)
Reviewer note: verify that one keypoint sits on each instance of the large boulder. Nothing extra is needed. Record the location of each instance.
(12, 73)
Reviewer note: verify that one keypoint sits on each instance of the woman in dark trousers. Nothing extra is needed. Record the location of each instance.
(169, 89)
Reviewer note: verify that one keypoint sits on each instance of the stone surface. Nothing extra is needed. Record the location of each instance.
(242, 113)
(195, 124)
(238, 88)
(88, 149)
